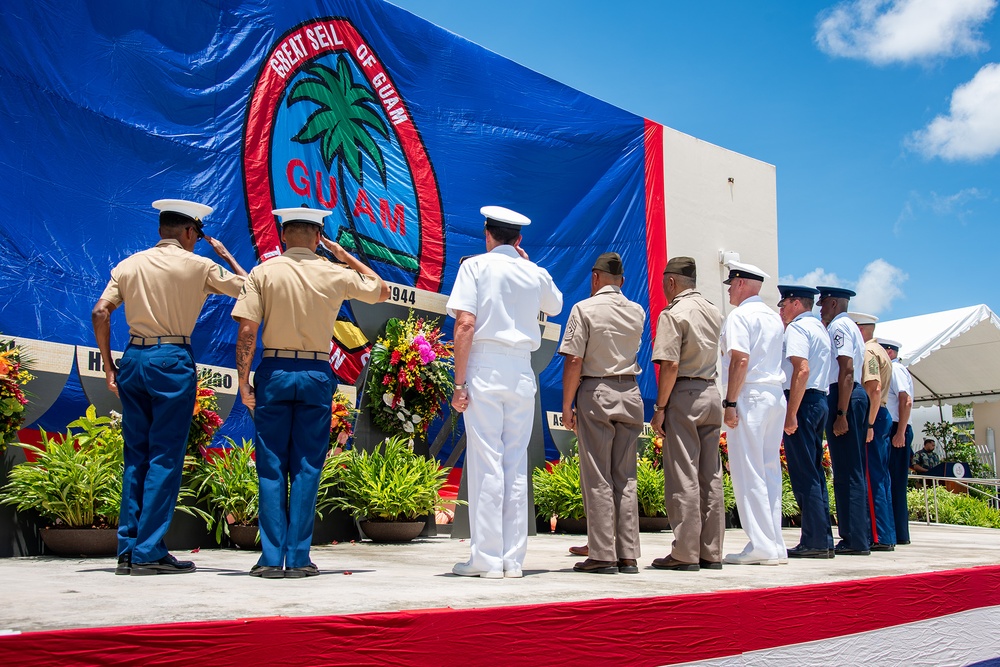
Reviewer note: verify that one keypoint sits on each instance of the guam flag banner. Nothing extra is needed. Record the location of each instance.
(402, 129)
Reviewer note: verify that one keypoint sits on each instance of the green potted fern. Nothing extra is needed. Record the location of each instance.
(558, 494)
(649, 490)
(227, 482)
(388, 490)
(74, 484)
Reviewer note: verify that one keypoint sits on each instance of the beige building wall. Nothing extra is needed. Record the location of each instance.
(717, 200)
(987, 416)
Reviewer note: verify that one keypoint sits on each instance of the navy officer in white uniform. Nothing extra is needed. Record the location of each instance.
(900, 405)
(751, 345)
(807, 358)
(847, 423)
(495, 302)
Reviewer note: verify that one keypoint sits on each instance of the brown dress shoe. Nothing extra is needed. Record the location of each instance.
(628, 566)
(580, 551)
(671, 563)
(597, 566)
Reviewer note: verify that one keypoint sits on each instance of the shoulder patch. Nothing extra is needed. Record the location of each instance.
(838, 339)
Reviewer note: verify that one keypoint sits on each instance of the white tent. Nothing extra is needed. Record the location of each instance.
(954, 355)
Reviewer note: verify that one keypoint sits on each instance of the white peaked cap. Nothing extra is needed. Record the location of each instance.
(191, 209)
(862, 318)
(504, 216)
(312, 216)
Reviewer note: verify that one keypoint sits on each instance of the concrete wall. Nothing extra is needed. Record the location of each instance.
(987, 416)
(718, 200)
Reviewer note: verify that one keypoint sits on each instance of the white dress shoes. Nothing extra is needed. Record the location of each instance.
(749, 559)
(466, 570)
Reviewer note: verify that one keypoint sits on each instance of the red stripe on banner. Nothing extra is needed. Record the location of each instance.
(656, 226)
(643, 631)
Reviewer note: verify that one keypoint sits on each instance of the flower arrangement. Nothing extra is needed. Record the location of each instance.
(342, 416)
(651, 448)
(13, 376)
(206, 420)
(724, 451)
(410, 375)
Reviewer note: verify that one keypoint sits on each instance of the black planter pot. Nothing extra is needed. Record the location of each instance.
(733, 519)
(335, 526)
(188, 532)
(572, 526)
(244, 537)
(81, 541)
(653, 524)
(392, 531)
(19, 531)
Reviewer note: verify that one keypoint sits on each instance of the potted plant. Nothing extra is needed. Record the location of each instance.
(558, 495)
(388, 490)
(74, 483)
(13, 377)
(226, 480)
(649, 490)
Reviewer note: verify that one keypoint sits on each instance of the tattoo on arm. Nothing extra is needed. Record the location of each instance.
(246, 344)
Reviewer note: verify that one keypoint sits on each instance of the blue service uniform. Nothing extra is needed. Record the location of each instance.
(847, 450)
(807, 338)
(163, 289)
(899, 457)
(296, 297)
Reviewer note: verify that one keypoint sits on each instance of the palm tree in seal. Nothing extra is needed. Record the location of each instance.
(341, 124)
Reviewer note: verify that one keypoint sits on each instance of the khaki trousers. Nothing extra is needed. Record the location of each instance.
(609, 420)
(692, 471)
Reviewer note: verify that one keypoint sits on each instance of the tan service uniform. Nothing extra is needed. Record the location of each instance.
(296, 297)
(878, 366)
(605, 331)
(688, 333)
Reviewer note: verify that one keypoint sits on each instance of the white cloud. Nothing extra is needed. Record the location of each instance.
(888, 31)
(971, 130)
(879, 284)
(956, 206)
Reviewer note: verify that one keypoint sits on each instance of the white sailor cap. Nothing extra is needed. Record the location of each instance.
(189, 209)
(862, 318)
(310, 216)
(742, 270)
(889, 343)
(498, 216)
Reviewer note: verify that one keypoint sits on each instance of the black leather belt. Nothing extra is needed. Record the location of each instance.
(684, 377)
(615, 378)
(160, 340)
(808, 392)
(296, 354)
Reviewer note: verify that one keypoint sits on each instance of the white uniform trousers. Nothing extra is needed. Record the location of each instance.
(498, 426)
(755, 466)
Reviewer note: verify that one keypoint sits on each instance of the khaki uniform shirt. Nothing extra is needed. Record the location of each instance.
(605, 331)
(688, 332)
(164, 288)
(878, 366)
(297, 297)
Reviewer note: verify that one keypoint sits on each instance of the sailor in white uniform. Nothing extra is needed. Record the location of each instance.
(495, 302)
(751, 345)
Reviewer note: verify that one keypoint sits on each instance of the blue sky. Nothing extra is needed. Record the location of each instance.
(881, 116)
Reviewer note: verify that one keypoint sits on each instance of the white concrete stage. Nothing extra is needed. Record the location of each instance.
(48, 593)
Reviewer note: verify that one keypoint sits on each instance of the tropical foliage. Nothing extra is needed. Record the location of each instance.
(13, 376)
(409, 376)
(226, 481)
(649, 488)
(954, 508)
(390, 483)
(76, 478)
(557, 489)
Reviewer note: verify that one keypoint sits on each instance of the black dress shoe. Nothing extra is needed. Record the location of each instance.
(902, 542)
(671, 563)
(628, 566)
(883, 547)
(267, 572)
(597, 566)
(806, 552)
(709, 564)
(124, 564)
(309, 570)
(166, 565)
(847, 551)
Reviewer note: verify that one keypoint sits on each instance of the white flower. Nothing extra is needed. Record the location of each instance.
(387, 398)
(401, 402)
(408, 427)
(416, 419)
(401, 416)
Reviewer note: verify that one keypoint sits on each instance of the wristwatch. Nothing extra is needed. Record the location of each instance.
(841, 413)
(871, 426)
(728, 404)
(659, 408)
